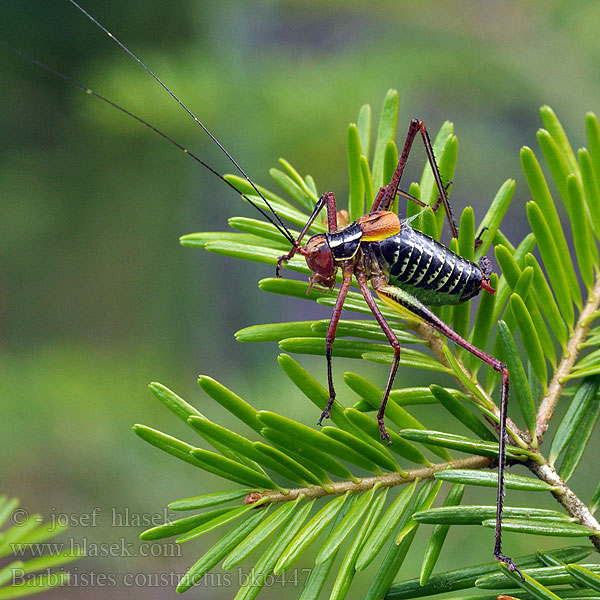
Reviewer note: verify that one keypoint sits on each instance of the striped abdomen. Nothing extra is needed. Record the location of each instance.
(428, 269)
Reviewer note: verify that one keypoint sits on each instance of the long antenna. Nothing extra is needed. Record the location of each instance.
(279, 225)
(189, 112)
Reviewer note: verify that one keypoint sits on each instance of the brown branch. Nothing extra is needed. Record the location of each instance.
(385, 480)
(569, 357)
(565, 496)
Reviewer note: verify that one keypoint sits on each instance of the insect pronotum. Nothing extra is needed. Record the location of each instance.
(406, 268)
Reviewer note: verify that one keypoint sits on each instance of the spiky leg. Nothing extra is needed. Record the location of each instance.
(501, 463)
(396, 297)
(386, 195)
(407, 196)
(478, 240)
(347, 268)
(391, 336)
(327, 199)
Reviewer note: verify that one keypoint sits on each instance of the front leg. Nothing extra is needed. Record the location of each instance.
(326, 199)
(347, 268)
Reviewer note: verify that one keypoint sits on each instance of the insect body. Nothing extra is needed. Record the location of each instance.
(407, 269)
(433, 274)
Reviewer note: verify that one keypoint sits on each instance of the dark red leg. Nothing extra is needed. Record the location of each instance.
(501, 463)
(385, 200)
(391, 336)
(378, 198)
(478, 240)
(326, 199)
(406, 195)
(402, 194)
(347, 268)
(402, 298)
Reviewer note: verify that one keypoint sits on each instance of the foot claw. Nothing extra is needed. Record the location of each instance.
(324, 415)
(278, 267)
(384, 434)
(510, 564)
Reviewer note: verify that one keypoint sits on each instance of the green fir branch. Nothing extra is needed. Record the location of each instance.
(343, 492)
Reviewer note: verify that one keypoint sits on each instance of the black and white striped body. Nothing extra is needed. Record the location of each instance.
(344, 243)
(427, 269)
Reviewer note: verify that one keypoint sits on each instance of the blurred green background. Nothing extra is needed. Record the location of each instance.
(98, 298)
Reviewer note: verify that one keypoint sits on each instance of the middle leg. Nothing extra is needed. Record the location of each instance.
(327, 199)
(386, 195)
(391, 336)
